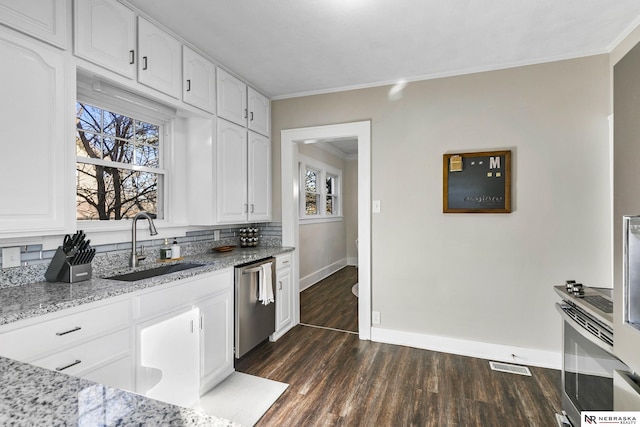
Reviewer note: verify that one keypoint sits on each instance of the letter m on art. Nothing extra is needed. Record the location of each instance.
(494, 162)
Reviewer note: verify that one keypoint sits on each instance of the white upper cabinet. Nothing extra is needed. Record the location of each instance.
(43, 19)
(231, 173)
(243, 175)
(242, 105)
(199, 85)
(259, 178)
(232, 98)
(35, 136)
(105, 34)
(159, 59)
(259, 113)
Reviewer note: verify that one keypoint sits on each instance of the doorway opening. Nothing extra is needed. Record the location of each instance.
(290, 140)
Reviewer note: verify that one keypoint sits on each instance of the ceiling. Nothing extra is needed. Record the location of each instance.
(294, 47)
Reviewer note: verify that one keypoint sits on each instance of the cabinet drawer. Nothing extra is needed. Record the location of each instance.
(85, 356)
(182, 293)
(52, 334)
(284, 261)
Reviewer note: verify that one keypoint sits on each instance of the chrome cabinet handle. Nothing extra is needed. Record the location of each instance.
(188, 85)
(280, 285)
(77, 328)
(245, 113)
(251, 116)
(144, 62)
(132, 54)
(285, 261)
(246, 208)
(252, 208)
(62, 368)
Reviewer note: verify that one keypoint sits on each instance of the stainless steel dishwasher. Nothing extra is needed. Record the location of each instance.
(254, 321)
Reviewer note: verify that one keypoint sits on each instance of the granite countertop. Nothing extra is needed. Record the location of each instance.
(30, 395)
(36, 299)
(35, 396)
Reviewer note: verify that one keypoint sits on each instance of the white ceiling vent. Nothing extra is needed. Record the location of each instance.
(511, 369)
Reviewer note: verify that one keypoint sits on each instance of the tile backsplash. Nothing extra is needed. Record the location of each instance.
(34, 260)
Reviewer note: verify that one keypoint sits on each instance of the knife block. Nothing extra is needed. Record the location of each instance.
(60, 270)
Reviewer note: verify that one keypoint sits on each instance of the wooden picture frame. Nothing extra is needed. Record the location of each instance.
(477, 182)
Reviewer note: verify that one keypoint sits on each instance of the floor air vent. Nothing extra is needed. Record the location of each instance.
(511, 369)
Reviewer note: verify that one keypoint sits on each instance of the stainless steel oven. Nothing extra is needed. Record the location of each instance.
(588, 361)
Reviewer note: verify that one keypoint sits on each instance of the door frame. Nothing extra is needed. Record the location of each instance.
(290, 206)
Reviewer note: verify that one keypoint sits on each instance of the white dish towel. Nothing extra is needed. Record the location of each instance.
(265, 286)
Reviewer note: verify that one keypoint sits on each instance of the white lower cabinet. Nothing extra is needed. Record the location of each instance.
(211, 296)
(216, 332)
(92, 341)
(284, 295)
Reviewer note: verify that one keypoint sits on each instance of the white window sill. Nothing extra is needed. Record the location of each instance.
(307, 220)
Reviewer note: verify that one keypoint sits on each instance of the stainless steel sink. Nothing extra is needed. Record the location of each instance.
(153, 272)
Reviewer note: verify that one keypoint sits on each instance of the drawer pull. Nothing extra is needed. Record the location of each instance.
(62, 368)
(77, 328)
(285, 262)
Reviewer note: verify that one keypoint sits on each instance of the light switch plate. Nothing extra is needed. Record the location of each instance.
(375, 317)
(10, 257)
(376, 206)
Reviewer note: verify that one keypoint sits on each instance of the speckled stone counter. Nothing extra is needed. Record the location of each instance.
(36, 299)
(32, 396)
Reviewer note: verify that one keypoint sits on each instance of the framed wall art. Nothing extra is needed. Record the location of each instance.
(477, 182)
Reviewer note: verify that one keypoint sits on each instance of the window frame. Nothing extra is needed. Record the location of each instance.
(142, 109)
(304, 163)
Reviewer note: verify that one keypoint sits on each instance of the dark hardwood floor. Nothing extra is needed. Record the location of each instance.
(336, 379)
(330, 302)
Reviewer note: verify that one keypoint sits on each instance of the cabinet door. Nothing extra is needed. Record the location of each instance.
(199, 85)
(117, 373)
(231, 173)
(259, 113)
(216, 348)
(35, 144)
(105, 34)
(232, 98)
(284, 296)
(259, 178)
(43, 19)
(159, 59)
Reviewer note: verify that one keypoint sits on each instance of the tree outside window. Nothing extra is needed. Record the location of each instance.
(117, 165)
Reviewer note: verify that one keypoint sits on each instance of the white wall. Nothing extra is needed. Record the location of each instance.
(481, 277)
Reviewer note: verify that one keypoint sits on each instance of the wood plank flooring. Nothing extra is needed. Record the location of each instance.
(330, 302)
(337, 380)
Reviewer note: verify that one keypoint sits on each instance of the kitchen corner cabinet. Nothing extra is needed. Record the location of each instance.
(105, 34)
(199, 85)
(284, 295)
(243, 175)
(159, 59)
(212, 295)
(35, 134)
(242, 105)
(43, 19)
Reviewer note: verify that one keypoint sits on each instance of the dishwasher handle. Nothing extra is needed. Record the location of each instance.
(251, 270)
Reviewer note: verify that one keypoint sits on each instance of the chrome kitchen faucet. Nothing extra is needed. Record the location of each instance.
(135, 258)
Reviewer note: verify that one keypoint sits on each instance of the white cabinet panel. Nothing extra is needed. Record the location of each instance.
(43, 19)
(259, 113)
(284, 295)
(232, 98)
(105, 33)
(34, 137)
(159, 59)
(231, 173)
(116, 373)
(199, 85)
(259, 179)
(216, 350)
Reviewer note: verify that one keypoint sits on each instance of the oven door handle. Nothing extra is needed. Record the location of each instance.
(582, 331)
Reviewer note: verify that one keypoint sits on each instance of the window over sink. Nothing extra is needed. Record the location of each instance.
(118, 165)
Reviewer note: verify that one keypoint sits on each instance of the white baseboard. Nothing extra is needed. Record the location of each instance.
(315, 277)
(497, 352)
